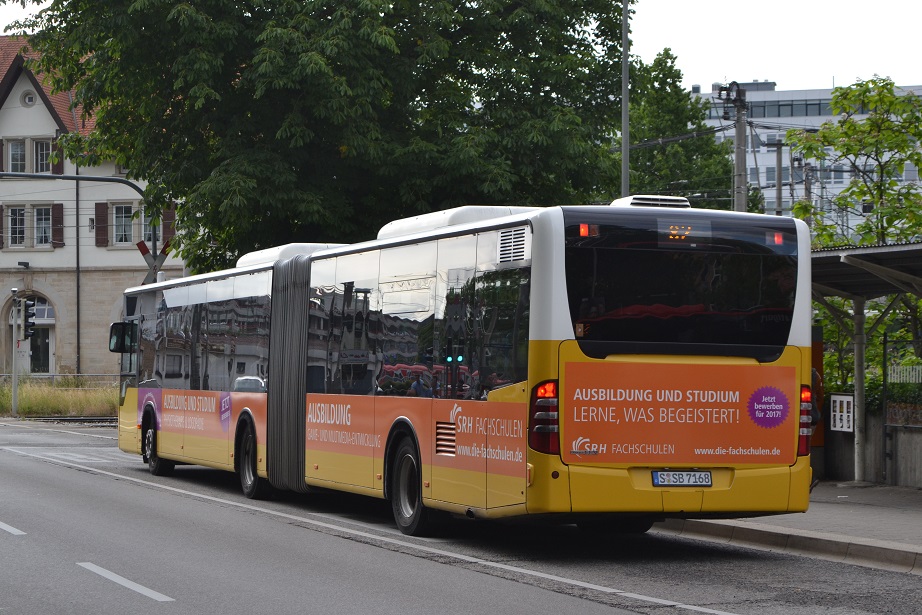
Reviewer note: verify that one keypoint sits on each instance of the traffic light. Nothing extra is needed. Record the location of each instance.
(27, 313)
(454, 351)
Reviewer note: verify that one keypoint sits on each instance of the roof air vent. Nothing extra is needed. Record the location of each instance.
(648, 200)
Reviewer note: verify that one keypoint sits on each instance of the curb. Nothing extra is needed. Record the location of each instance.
(892, 556)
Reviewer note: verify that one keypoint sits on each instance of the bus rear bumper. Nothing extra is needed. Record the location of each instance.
(734, 492)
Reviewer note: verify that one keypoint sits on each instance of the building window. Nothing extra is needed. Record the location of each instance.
(17, 161)
(28, 98)
(30, 225)
(122, 224)
(17, 225)
(31, 155)
(42, 156)
(151, 233)
(42, 226)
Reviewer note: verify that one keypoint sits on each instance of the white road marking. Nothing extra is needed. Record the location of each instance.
(79, 454)
(75, 433)
(12, 530)
(395, 541)
(146, 591)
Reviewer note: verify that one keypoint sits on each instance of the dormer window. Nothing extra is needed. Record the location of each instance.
(30, 155)
(17, 153)
(42, 156)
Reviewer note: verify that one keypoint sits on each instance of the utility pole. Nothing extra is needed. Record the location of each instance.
(735, 96)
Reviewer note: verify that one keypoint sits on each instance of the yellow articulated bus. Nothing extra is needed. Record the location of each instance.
(603, 365)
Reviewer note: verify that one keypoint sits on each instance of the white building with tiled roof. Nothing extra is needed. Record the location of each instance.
(69, 245)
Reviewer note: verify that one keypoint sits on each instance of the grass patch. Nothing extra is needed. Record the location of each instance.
(65, 397)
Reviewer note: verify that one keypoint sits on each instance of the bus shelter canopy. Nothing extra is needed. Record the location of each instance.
(868, 272)
(859, 274)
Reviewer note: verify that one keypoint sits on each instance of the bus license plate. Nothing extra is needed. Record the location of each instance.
(662, 478)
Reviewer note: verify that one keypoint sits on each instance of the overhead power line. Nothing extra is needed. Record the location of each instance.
(691, 135)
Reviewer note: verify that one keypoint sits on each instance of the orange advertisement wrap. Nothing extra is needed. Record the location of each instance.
(199, 425)
(488, 436)
(473, 452)
(177, 411)
(657, 414)
(342, 424)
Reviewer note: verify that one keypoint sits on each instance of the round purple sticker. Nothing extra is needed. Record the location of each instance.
(768, 407)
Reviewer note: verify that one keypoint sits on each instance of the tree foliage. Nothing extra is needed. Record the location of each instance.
(665, 158)
(876, 135)
(270, 121)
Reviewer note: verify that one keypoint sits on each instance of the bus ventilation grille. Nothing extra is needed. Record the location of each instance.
(650, 200)
(445, 439)
(512, 245)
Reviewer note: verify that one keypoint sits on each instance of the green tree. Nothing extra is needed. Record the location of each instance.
(875, 136)
(666, 158)
(270, 121)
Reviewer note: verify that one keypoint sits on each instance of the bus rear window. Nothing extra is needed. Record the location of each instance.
(688, 282)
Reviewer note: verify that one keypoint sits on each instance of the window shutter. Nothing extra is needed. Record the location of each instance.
(168, 223)
(2, 215)
(57, 225)
(58, 167)
(2, 161)
(102, 225)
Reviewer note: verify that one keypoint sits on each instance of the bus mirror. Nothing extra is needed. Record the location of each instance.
(122, 337)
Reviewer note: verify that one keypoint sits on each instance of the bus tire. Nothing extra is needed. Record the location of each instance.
(254, 486)
(413, 519)
(156, 464)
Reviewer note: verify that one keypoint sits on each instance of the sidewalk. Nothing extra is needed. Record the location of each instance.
(858, 523)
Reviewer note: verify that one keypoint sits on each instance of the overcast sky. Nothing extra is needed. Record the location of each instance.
(798, 44)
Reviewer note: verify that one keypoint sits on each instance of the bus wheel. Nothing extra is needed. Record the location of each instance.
(411, 516)
(254, 486)
(156, 465)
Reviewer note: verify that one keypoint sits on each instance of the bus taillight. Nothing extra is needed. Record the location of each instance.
(806, 421)
(543, 424)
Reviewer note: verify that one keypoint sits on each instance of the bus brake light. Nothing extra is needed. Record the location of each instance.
(544, 421)
(806, 421)
(547, 390)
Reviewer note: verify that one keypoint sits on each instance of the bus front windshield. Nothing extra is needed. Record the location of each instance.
(692, 280)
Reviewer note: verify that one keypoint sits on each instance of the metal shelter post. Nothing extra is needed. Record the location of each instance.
(860, 342)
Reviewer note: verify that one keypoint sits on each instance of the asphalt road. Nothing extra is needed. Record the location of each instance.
(84, 528)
